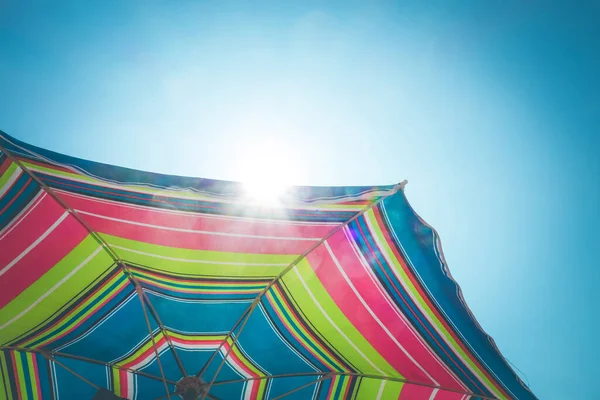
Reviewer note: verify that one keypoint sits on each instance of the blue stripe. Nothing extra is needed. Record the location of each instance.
(418, 244)
(31, 189)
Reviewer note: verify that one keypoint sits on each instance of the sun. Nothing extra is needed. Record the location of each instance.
(267, 176)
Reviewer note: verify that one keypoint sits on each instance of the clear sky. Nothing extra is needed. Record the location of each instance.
(490, 109)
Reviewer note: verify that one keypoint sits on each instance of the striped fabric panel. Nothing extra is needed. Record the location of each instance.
(368, 297)
(25, 375)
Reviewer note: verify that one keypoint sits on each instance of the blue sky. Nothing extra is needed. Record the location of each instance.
(490, 109)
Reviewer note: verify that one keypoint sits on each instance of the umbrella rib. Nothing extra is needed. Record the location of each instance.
(246, 315)
(113, 254)
(160, 367)
(163, 330)
(353, 374)
(49, 357)
(323, 378)
(89, 360)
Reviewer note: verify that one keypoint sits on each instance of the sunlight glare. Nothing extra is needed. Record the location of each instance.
(267, 175)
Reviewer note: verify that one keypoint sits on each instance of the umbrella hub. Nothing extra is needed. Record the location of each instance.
(192, 387)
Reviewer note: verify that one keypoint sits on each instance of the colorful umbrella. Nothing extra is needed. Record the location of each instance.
(116, 283)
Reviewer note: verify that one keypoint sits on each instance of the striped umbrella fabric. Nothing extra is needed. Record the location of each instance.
(117, 283)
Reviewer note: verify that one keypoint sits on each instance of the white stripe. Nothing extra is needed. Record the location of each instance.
(433, 394)
(34, 244)
(201, 261)
(16, 173)
(381, 324)
(315, 391)
(54, 380)
(217, 217)
(130, 386)
(49, 292)
(20, 217)
(381, 387)
(240, 235)
(197, 301)
(342, 334)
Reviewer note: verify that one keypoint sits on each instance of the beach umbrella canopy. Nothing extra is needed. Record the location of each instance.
(117, 283)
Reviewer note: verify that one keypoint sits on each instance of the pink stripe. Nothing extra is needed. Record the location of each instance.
(32, 227)
(60, 242)
(415, 392)
(446, 395)
(124, 383)
(201, 222)
(255, 387)
(197, 241)
(357, 313)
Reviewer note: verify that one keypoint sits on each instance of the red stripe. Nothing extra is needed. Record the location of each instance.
(123, 382)
(4, 166)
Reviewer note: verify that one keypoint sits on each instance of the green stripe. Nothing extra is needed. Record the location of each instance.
(7, 174)
(369, 388)
(201, 267)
